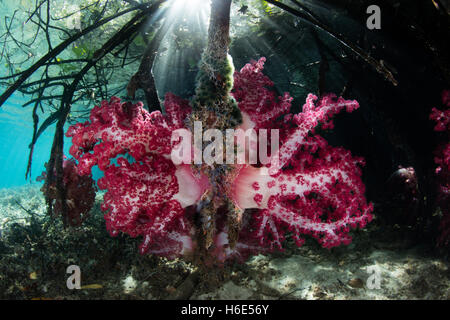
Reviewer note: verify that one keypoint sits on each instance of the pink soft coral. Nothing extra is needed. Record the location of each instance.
(442, 159)
(79, 194)
(146, 197)
(308, 187)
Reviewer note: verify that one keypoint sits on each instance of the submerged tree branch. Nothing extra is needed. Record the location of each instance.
(143, 78)
(145, 9)
(309, 17)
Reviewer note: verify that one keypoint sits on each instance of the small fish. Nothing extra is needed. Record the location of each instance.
(92, 286)
(33, 275)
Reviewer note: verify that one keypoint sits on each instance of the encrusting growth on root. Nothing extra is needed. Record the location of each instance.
(215, 108)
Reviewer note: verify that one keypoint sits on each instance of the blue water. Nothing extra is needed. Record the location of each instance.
(16, 131)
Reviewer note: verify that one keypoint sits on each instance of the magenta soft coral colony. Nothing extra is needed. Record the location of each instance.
(442, 159)
(312, 189)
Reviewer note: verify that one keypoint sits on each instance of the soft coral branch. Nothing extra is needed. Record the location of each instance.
(324, 200)
(309, 188)
(306, 121)
(147, 196)
(116, 128)
(442, 159)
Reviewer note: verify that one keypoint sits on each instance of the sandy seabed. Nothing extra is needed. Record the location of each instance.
(35, 252)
